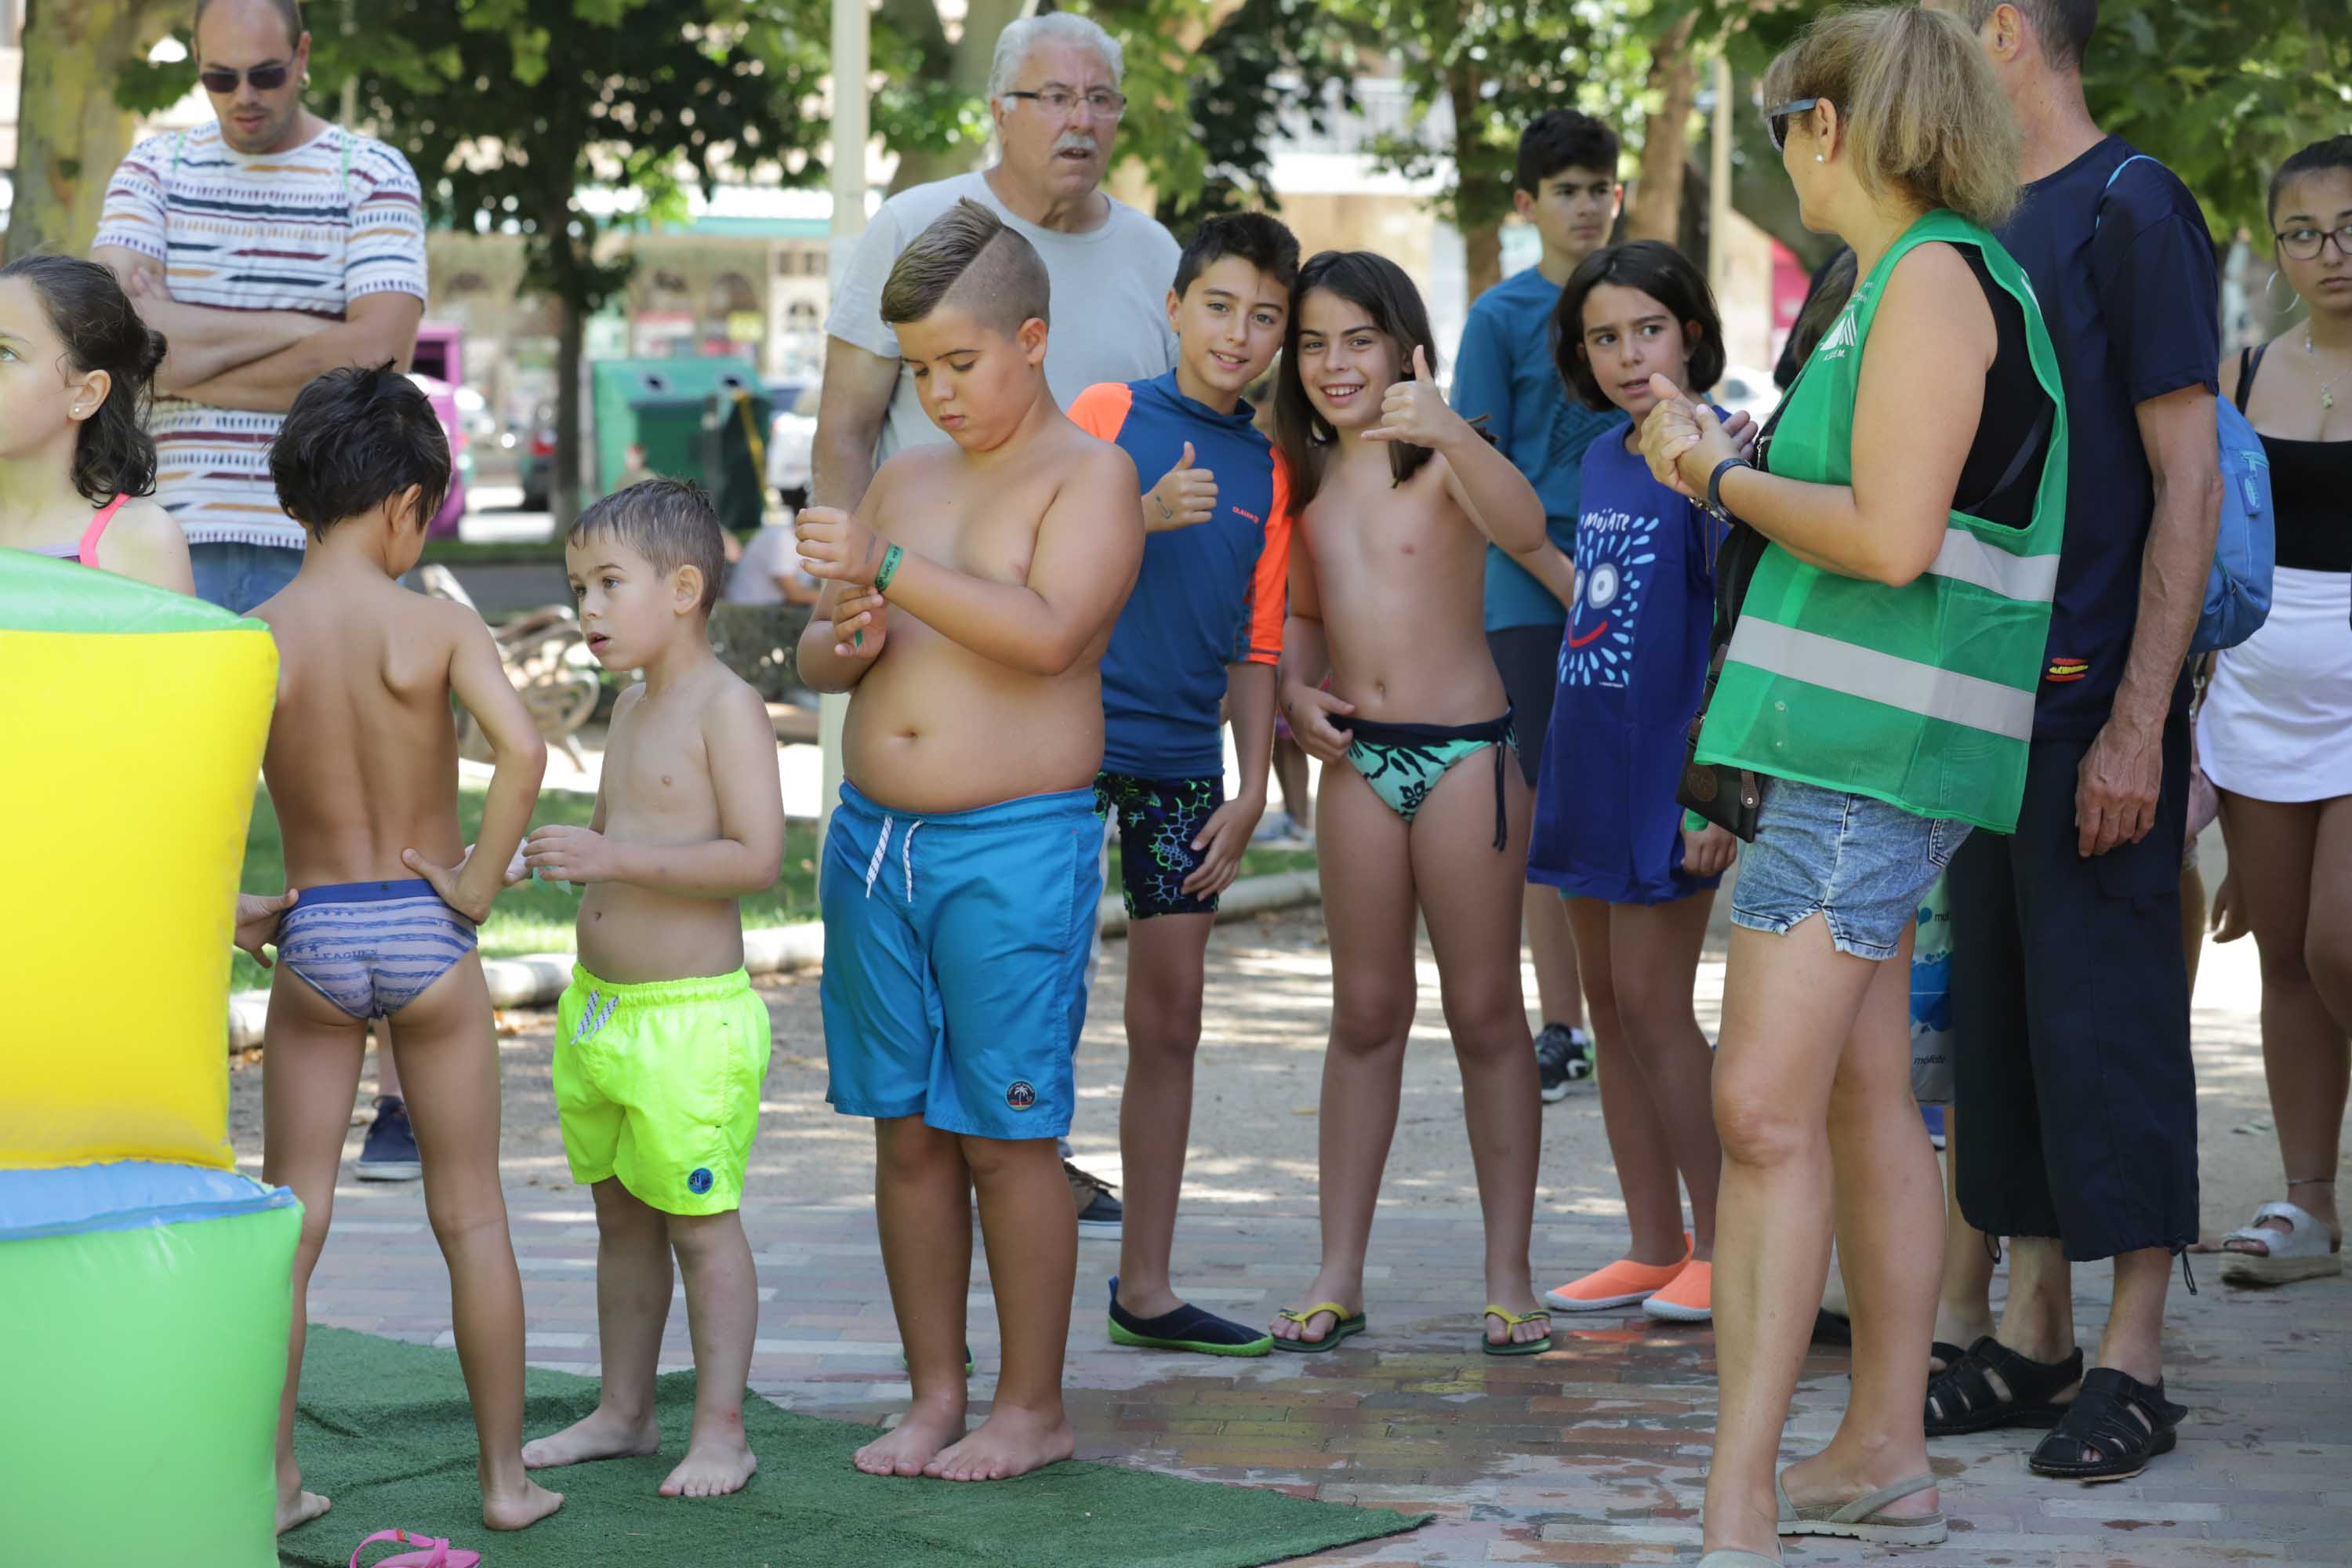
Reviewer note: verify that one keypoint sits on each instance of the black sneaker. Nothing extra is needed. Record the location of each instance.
(1562, 1056)
(390, 1155)
(1098, 1213)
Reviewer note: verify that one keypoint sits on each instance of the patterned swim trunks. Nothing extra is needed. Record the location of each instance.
(1158, 820)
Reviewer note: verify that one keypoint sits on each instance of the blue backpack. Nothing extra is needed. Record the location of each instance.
(2238, 588)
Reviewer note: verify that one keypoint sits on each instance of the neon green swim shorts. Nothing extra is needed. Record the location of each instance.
(659, 1084)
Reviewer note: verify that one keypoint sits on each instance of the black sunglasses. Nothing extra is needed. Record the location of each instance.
(1777, 120)
(264, 78)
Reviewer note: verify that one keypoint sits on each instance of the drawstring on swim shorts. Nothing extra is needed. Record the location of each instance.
(905, 856)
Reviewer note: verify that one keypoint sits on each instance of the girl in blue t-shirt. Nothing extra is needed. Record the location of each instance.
(1638, 876)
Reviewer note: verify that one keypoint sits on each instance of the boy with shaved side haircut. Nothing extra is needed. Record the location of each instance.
(966, 608)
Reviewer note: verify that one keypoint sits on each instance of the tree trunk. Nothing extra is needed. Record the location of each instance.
(70, 134)
(564, 484)
(1482, 237)
(967, 68)
(1655, 211)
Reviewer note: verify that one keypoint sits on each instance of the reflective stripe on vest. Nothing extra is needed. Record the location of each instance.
(1904, 683)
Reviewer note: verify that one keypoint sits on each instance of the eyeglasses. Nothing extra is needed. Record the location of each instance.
(264, 78)
(2305, 244)
(1777, 120)
(1058, 101)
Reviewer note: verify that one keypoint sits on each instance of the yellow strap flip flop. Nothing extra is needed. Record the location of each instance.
(1511, 1320)
(1348, 1323)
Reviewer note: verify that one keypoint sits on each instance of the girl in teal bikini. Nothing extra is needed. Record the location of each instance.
(1396, 498)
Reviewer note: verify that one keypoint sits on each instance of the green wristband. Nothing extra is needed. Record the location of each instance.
(1694, 823)
(889, 569)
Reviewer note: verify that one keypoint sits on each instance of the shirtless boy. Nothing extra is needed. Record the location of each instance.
(966, 607)
(1422, 808)
(661, 1044)
(362, 767)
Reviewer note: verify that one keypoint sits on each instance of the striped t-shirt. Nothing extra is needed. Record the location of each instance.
(309, 229)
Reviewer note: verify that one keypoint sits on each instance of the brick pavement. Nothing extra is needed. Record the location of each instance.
(1592, 1453)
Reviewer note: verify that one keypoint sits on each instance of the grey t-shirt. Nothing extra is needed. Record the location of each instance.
(1109, 315)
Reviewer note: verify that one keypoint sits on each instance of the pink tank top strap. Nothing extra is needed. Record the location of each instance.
(96, 526)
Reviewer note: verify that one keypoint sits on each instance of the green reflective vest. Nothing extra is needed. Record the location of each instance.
(1921, 696)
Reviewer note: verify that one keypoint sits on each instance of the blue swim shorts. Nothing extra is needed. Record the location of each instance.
(955, 961)
(372, 948)
(1859, 863)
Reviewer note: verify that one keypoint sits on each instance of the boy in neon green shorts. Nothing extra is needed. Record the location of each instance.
(661, 1044)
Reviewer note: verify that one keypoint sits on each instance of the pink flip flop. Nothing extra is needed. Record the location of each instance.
(436, 1552)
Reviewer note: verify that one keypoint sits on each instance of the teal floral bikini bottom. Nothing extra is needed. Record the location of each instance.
(1402, 763)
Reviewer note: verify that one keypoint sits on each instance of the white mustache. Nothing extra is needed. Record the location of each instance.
(1074, 144)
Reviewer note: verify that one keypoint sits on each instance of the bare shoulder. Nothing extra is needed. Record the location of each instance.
(1089, 458)
(730, 705)
(144, 522)
(1933, 285)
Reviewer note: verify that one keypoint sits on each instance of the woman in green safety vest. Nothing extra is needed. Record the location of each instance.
(1906, 504)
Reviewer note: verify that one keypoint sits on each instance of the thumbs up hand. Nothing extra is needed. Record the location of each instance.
(1414, 410)
(1185, 496)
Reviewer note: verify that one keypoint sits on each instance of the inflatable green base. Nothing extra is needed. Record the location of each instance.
(144, 1309)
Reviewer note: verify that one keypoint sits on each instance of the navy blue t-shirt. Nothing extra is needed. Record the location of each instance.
(2126, 283)
(1631, 670)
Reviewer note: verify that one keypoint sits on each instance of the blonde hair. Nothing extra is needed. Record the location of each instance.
(971, 257)
(1924, 114)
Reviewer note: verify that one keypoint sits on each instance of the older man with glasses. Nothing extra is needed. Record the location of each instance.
(1053, 96)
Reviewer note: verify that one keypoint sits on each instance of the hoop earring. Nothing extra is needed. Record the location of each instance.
(2271, 299)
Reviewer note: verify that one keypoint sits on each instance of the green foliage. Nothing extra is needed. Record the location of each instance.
(2220, 91)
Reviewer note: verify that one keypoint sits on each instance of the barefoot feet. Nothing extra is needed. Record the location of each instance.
(1010, 1442)
(601, 1435)
(712, 1467)
(295, 1505)
(912, 1443)
(519, 1506)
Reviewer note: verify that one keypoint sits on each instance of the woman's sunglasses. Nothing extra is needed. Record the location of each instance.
(1777, 120)
(264, 78)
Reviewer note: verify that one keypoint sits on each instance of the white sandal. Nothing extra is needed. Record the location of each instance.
(2303, 1251)
(1862, 1519)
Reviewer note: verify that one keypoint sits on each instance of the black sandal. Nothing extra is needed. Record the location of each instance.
(2102, 1419)
(1970, 1401)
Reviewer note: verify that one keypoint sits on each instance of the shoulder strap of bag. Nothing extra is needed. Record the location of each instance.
(2250, 360)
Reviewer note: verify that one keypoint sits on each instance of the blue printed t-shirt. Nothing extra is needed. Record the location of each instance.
(2133, 309)
(1506, 372)
(1632, 668)
(1207, 596)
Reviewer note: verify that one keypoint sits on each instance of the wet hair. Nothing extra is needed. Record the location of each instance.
(1380, 289)
(1666, 275)
(2334, 152)
(355, 437)
(1563, 138)
(969, 257)
(2062, 28)
(1922, 112)
(114, 454)
(669, 522)
(1263, 241)
(289, 11)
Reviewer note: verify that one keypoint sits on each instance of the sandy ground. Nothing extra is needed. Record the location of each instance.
(1254, 1122)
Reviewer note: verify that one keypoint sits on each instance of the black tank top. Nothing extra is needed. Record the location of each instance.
(2311, 489)
(2016, 412)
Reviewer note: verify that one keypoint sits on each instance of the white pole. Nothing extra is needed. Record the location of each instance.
(1718, 215)
(851, 23)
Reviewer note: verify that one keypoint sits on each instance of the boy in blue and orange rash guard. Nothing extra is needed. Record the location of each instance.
(1202, 627)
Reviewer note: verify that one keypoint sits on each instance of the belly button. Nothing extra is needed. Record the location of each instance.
(664, 779)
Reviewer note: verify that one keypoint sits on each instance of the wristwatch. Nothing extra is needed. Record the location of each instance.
(1714, 486)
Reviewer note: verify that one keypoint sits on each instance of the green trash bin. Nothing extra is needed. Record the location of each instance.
(735, 454)
(621, 392)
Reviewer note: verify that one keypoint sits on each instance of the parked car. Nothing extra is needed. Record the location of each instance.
(791, 440)
(1744, 390)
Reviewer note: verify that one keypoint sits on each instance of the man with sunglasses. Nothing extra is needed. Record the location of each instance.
(2075, 1131)
(267, 247)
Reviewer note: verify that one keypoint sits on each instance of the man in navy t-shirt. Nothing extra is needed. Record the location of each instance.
(2074, 1104)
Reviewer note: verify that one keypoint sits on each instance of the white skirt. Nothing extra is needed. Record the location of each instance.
(2277, 720)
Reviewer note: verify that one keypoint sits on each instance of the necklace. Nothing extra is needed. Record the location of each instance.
(2328, 390)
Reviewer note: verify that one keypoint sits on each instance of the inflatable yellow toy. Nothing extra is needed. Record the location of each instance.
(145, 1284)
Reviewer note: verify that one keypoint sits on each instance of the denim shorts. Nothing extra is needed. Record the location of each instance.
(237, 577)
(1859, 863)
